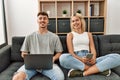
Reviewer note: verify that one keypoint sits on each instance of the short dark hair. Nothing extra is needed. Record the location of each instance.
(42, 13)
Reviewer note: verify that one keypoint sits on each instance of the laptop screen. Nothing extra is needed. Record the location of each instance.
(38, 61)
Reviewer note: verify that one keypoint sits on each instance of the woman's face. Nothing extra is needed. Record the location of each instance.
(76, 22)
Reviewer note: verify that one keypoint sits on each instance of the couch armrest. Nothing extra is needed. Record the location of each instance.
(5, 57)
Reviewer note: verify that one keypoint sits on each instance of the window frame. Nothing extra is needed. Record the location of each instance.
(4, 24)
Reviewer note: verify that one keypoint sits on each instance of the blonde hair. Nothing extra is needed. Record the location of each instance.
(83, 24)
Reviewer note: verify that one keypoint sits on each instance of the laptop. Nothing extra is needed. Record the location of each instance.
(38, 61)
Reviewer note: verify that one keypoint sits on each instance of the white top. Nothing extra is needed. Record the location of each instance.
(80, 41)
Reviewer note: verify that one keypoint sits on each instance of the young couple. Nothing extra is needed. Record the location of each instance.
(79, 44)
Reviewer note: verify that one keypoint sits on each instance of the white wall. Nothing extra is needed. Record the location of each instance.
(113, 17)
(21, 17)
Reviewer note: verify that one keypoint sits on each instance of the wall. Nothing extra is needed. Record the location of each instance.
(21, 17)
(113, 16)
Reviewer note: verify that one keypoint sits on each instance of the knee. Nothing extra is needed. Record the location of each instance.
(63, 58)
(60, 77)
(19, 76)
(57, 76)
(115, 56)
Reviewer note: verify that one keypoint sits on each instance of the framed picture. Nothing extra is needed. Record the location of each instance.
(3, 31)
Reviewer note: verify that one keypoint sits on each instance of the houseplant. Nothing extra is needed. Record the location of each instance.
(64, 13)
(79, 11)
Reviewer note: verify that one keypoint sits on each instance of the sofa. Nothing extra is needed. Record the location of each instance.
(11, 60)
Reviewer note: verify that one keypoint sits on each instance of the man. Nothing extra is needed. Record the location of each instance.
(39, 42)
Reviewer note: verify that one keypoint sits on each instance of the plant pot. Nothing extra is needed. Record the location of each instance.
(64, 15)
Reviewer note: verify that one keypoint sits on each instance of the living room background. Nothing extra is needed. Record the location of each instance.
(21, 17)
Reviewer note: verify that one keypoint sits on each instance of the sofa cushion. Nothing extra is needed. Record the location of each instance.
(15, 49)
(113, 76)
(39, 77)
(116, 70)
(64, 44)
(109, 44)
(96, 44)
(7, 74)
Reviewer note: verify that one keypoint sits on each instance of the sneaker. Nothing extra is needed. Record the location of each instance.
(75, 73)
(106, 73)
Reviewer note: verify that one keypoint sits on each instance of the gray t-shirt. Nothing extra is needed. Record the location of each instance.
(36, 43)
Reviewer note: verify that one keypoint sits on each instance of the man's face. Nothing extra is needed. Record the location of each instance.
(42, 21)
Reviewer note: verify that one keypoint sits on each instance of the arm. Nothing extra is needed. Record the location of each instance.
(25, 46)
(56, 57)
(58, 49)
(92, 47)
(70, 46)
(23, 54)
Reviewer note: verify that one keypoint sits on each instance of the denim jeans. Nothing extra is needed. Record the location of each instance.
(103, 63)
(54, 74)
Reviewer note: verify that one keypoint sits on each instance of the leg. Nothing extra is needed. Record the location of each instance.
(54, 74)
(23, 74)
(108, 61)
(69, 62)
(104, 63)
(92, 70)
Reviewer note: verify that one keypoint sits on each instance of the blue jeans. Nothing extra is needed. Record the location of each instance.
(54, 74)
(103, 63)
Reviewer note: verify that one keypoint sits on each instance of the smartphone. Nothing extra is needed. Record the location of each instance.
(89, 56)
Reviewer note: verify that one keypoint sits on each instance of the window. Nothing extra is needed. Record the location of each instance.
(3, 33)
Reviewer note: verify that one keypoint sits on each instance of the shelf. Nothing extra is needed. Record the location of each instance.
(48, 7)
(93, 11)
(52, 25)
(96, 16)
(96, 24)
(97, 0)
(63, 25)
(64, 5)
(97, 8)
(81, 5)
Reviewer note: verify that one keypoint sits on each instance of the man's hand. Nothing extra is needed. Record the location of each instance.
(23, 54)
(56, 57)
(53, 59)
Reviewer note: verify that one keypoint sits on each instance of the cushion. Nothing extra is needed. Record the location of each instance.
(96, 44)
(109, 44)
(15, 49)
(64, 44)
(8, 73)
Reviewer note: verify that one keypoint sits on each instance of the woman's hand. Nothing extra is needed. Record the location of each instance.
(92, 61)
(88, 61)
(85, 60)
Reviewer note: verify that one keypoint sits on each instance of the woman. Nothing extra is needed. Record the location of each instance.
(80, 44)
